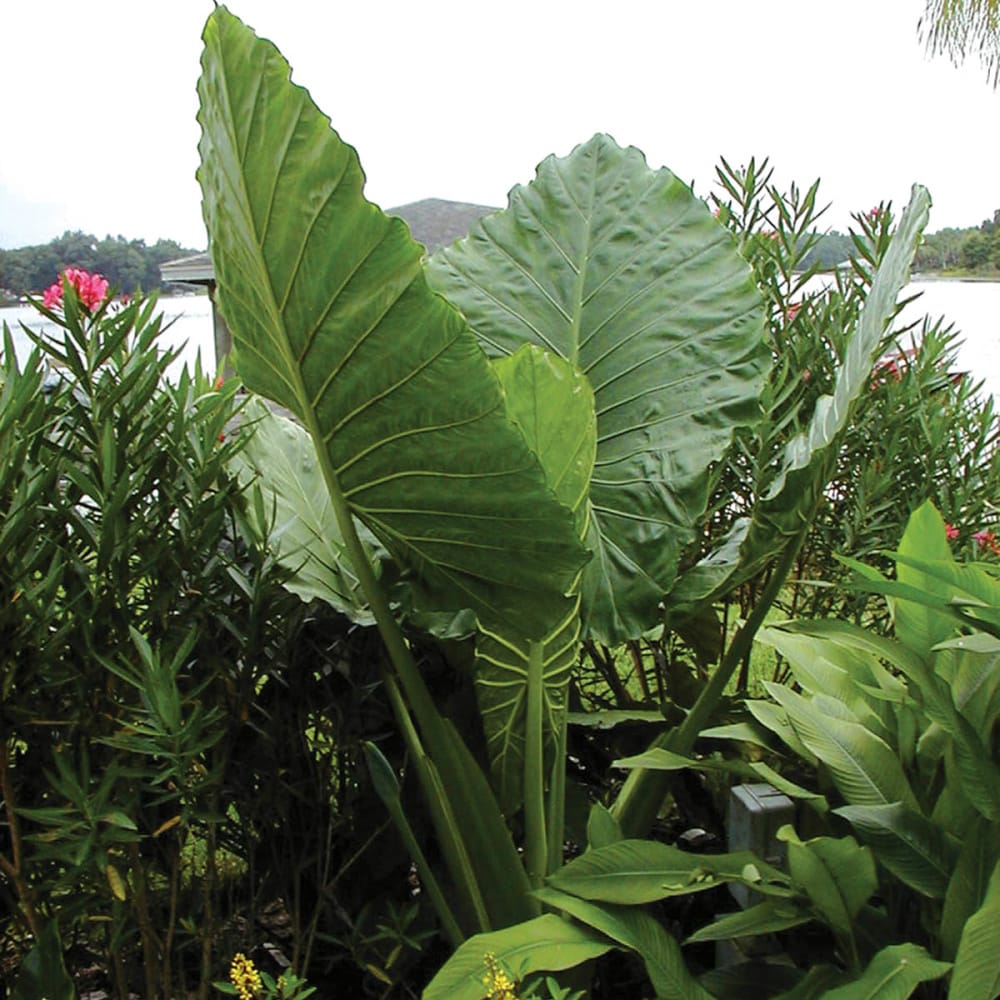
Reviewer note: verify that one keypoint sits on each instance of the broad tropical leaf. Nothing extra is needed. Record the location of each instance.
(661, 759)
(913, 848)
(893, 974)
(639, 931)
(332, 318)
(837, 874)
(554, 407)
(43, 970)
(977, 964)
(296, 517)
(918, 626)
(769, 917)
(622, 271)
(864, 767)
(641, 871)
(545, 944)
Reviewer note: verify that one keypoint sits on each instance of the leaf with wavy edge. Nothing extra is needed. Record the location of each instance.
(332, 318)
(791, 499)
(621, 270)
(553, 405)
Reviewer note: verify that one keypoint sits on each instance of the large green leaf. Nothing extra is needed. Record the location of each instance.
(837, 874)
(864, 767)
(661, 759)
(545, 944)
(913, 848)
(296, 517)
(642, 871)
(893, 974)
(332, 318)
(823, 667)
(621, 270)
(639, 931)
(918, 626)
(554, 406)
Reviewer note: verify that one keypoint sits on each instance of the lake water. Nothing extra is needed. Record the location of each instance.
(972, 306)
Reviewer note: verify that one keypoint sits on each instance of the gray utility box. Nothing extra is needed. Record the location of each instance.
(756, 814)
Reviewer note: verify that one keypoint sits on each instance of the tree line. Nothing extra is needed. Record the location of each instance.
(975, 249)
(128, 264)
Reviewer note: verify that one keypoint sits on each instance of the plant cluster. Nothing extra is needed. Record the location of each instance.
(336, 654)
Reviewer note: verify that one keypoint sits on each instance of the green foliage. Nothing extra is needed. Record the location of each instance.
(909, 754)
(546, 943)
(145, 631)
(635, 285)
(43, 972)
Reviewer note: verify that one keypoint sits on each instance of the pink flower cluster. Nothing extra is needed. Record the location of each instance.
(985, 539)
(91, 289)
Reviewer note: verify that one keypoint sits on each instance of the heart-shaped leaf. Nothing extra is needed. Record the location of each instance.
(621, 270)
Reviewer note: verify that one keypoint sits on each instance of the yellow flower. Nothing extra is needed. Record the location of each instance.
(499, 985)
(244, 976)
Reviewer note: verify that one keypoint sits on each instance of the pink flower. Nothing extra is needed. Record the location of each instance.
(792, 311)
(950, 533)
(987, 541)
(91, 289)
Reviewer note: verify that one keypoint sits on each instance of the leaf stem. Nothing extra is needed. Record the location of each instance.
(536, 846)
(639, 801)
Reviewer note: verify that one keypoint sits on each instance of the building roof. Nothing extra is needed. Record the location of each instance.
(435, 222)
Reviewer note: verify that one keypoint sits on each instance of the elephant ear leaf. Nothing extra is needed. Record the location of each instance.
(622, 271)
(332, 318)
(295, 515)
(554, 406)
(809, 459)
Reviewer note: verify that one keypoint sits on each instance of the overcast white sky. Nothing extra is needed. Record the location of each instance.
(460, 100)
